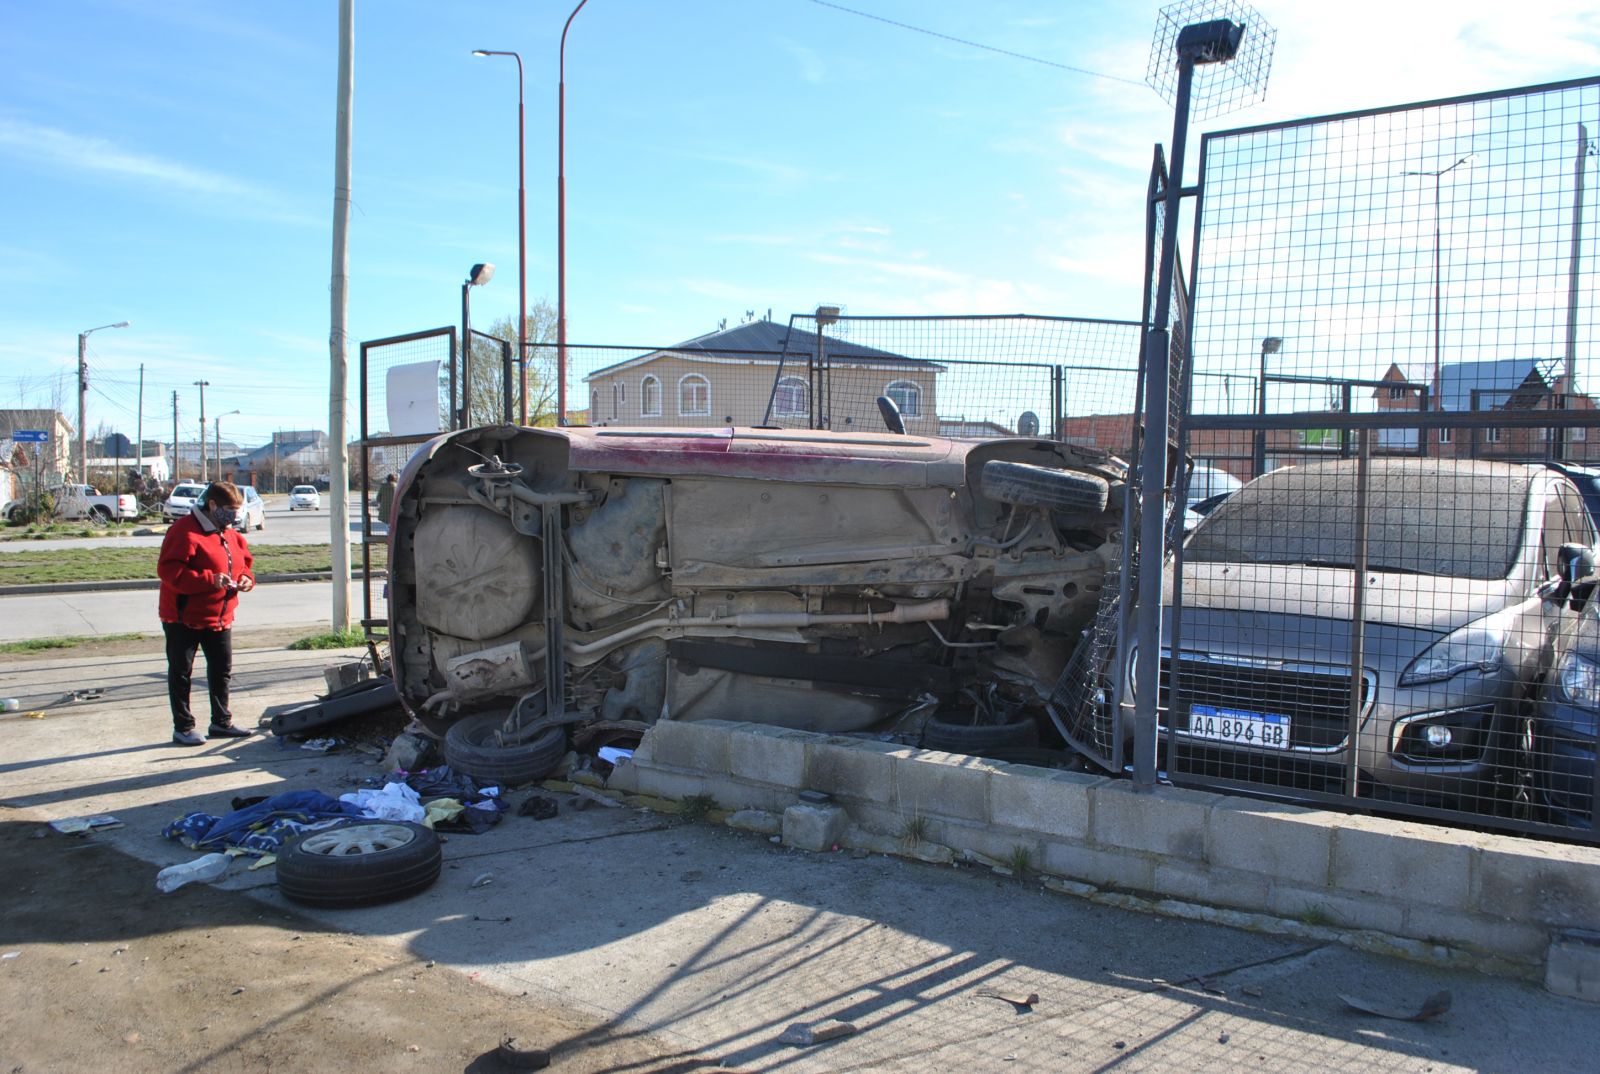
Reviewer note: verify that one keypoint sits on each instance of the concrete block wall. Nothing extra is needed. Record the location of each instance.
(1497, 900)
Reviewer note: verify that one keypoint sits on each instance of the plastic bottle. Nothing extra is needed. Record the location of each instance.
(209, 867)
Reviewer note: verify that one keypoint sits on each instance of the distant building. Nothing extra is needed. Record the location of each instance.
(292, 457)
(51, 460)
(731, 376)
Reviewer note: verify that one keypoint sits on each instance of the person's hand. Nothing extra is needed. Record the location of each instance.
(246, 584)
(223, 581)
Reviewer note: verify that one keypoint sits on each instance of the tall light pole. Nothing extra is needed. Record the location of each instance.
(1269, 345)
(522, 236)
(83, 390)
(202, 384)
(1438, 402)
(479, 275)
(561, 223)
(218, 441)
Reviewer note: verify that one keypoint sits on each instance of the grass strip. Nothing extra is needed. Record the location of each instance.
(37, 645)
(348, 638)
(51, 567)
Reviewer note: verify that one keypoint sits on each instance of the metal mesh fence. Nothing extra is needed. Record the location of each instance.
(1394, 308)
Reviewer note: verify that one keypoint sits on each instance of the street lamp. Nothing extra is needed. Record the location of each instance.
(522, 235)
(561, 223)
(1269, 345)
(83, 390)
(479, 275)
(1436, 177)
(217, 421)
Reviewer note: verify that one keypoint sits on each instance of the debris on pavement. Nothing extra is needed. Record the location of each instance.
(538, 807)
(587, 795)
(803, 1035)
(83, 825)
(522, 1056)
(482, 880)
(1432, 1007)
(321, 745)
(1023, 1003)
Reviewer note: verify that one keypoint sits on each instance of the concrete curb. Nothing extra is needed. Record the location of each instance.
(152, 583)
(1495, 902)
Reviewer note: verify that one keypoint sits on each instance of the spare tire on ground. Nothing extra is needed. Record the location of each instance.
(471, 748)
(362, 863)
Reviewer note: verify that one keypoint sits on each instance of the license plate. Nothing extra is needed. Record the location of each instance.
(1240, 727)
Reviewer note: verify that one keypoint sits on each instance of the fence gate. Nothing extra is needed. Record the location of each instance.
(1399, 614)
(410, 388)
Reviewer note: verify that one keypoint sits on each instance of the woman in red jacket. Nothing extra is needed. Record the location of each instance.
(205, 564)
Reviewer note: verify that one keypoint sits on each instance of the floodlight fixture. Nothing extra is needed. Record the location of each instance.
(1229, 41)
(827, 315)
(1271, 344)
(480, 274)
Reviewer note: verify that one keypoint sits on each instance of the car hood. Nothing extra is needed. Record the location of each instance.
(1426, 602)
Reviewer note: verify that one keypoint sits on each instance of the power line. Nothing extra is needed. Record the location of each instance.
(978, 45)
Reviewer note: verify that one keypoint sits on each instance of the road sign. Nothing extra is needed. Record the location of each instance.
(31, 436)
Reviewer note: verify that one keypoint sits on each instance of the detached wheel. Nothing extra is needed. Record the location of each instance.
(958, 733)
(470, 748)
(1041, 486)
(362, 863)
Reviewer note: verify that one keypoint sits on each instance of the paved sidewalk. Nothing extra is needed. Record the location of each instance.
(717, 940)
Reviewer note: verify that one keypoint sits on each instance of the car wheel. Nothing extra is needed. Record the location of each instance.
(359, 864)
(959, 733)
(99, 515)
(470, 748)
(1040, 486)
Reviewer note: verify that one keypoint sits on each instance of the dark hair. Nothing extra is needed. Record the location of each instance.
(222, 494)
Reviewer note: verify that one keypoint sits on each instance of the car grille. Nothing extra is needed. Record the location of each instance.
(1315, 698)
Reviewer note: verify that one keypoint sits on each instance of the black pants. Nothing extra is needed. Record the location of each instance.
(182, 641)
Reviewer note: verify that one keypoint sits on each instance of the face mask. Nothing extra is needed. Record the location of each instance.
(224, 516)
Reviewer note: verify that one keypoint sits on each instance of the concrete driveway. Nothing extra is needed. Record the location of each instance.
(718, 939)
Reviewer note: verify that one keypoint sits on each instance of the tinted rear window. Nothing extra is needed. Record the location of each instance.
(188, 490)
(1460, 520)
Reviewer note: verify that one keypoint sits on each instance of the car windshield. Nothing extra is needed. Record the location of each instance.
(304, 490)
(189, 491)
(1460, 520)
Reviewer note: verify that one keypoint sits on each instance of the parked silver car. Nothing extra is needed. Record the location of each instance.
(1463, 604)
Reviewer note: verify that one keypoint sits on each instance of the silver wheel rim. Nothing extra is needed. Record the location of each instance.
(357, 839)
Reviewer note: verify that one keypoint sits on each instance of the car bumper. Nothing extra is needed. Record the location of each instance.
(1565, 739)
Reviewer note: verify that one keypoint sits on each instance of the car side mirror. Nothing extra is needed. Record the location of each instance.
(891, 415)
(1575, 563)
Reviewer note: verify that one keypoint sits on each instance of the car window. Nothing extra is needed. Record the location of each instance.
(1456, 519)
(187, 490)
(1565, 522)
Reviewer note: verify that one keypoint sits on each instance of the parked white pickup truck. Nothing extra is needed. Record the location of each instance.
(86, 502)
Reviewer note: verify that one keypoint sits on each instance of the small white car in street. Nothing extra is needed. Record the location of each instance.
(305, 498)
(184, 496)
(253, 512)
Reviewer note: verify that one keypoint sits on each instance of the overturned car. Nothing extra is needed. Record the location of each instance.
(583, 583)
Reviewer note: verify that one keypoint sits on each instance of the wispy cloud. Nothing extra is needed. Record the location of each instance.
(812, 68)
(50, 147)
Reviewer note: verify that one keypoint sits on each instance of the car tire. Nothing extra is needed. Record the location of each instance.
(957, 733)
(362, 863)
(99, 515)
(470, 749)
(1027, 485)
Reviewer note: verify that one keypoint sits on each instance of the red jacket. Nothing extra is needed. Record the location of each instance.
(193, 553)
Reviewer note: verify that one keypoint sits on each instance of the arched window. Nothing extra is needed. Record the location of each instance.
(694, 396)
(650, 397)
(792, 399)
(907, 396)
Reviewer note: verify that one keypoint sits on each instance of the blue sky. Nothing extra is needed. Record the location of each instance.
(170, 163)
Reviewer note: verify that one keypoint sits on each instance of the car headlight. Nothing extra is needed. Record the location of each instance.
(1478, 646)
(1580, 681)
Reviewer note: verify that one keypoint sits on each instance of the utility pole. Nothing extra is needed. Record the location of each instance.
(201, 384)
(174, 435)
(339, 318)
(83, 390)
(139, 451)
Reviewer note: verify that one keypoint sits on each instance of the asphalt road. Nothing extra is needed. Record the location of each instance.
(283, 527)
(269, 605)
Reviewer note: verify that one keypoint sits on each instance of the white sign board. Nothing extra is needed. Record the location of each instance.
(412, 392)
